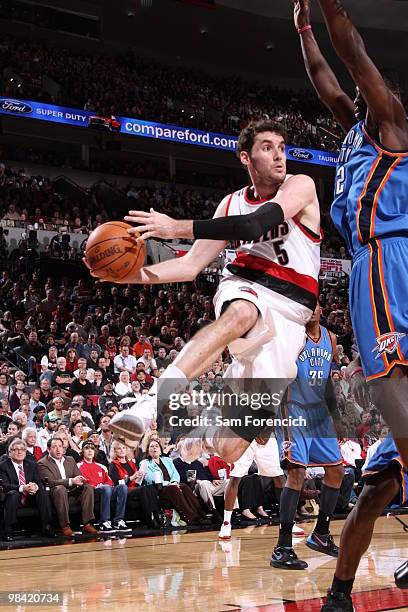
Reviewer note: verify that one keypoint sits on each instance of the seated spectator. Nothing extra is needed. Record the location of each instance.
(45, 391)
(49, 364)
(106, 436)
(15, 397)
(162, 361)
(50, 424)
(66, 481)
(35, 399)
(81, 386)
(78, 432)
(24, 405)
(100, 457)
(39, 414)
(92, 361)
(124, 470)
(13, 430)
(79, 401)
(123, 386)
(109, 398)
(97, 476)
(91, 345)
(141, 346)
(32, 352)
(5, 389)
(71, 359)
(29, 436)
(21, 418)
(124, 361)
(161, 470)
(4, 415)
(148, 361)
(23, 487)
(70, 448)
(62, 377)
(98, 383)
(132, 398)
(203, 483)
(58, 411)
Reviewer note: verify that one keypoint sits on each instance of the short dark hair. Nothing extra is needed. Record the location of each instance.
(51, 440)
(247, 136)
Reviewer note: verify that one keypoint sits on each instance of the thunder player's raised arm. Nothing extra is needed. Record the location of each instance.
(384, 106)
(320, 74)
(295, 198)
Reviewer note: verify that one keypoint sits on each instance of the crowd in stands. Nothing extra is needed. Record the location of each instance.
(131, 86)
(86, 350)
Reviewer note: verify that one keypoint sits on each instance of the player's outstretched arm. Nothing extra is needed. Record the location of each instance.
(383, 104)
(320, 74)
(297, 194)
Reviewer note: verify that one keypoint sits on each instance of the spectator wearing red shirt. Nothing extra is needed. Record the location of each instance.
(215, 463)
(140, 346)
(97, 477)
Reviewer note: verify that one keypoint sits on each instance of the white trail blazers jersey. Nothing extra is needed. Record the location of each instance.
(285, 260)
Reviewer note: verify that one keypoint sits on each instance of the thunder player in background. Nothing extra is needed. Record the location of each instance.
(311, 397)
(370, 211)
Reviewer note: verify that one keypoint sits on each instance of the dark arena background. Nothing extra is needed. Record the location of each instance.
(133, 105)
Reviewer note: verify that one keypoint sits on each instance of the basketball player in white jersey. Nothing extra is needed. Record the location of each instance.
(268, 293)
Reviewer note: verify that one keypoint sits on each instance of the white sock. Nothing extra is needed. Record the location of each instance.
(227, 516)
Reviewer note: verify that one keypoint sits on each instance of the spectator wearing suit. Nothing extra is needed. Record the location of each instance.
(23, 487)
(97, 476)
(159, 469)
(66, 482)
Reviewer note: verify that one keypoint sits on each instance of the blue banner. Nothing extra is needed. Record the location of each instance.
(147, 129)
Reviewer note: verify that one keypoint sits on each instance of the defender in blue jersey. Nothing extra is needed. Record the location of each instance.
(310, 398)
(370, 211)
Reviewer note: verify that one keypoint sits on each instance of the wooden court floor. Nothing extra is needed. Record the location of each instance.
(196, 572)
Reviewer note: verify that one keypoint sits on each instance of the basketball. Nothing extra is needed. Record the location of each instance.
(112, 254)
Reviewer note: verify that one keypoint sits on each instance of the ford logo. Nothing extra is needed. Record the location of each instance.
(301, 154)
(15, 106)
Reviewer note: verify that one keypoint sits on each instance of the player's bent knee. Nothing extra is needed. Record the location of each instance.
(240, 316)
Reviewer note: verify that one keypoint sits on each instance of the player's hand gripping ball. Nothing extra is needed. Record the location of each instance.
(112, 254)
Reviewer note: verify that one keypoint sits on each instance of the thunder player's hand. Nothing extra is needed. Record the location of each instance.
(301, 13)
(157, 225)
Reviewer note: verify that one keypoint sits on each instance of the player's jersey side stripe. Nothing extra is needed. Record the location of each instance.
(366, 202)
(385, 295)
(373, 304)
(378, 193)
(359, 201)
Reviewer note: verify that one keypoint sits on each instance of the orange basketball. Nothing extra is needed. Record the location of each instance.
(112, 254)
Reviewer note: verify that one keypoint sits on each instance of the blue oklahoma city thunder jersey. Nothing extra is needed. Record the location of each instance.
(314, 365)
(371, 190)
